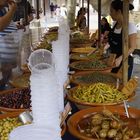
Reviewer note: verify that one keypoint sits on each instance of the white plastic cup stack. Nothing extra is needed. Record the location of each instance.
(32, 132)
(61, 58)
(44, 97)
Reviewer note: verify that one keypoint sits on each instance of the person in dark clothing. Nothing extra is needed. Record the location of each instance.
(81, 19)
(52, 8)
(115, 36)
(105, 26)
(105, 29)
(23, 8)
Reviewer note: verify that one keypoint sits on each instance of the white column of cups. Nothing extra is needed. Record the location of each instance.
(44, 97)
(61, 57)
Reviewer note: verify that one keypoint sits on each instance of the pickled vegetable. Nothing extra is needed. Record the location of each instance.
(98, 93)
(108, 128)
(112, 133)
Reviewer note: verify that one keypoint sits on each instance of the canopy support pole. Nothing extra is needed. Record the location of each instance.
(125, 40)
(99, 23)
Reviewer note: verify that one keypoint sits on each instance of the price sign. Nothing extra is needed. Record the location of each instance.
(65, 113)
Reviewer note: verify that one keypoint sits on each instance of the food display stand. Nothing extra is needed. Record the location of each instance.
(77, 123)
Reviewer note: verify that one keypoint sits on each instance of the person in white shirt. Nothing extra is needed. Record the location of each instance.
(115, 36)
(77, 8)
(63, 11)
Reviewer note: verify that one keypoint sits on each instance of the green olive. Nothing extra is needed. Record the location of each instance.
(126, 137)
(105, 125)
(112, 133)
(103, 133)
(118, 136)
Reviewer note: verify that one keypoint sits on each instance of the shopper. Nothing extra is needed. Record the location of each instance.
(63, 11)
(115, 36)
(52, 8)
(5, 18)
(81, 18)
(8, 49)
(105, 28)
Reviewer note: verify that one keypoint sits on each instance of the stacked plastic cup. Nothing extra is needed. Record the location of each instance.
(44, 97)
(32, 132)
(61, 58)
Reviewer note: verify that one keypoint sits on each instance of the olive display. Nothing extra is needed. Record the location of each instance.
(19, 99)
(51, 36)
(102, 126)
(7, 125)
(79, 37)
(21, 81)
(53, 29)
(96, 64)
(96, 77)
(98, 93)
(44, 44)
(79, 56)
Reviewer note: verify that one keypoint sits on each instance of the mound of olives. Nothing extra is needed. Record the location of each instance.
(96, 77)
(96, 64)
(7, 125)
(98, 93)
(16, 99)
(107, 127)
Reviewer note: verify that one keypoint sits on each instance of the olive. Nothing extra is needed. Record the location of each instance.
(103, 133)
(6, 126)
(115, 124)
(130, 133)
(118, 136)
(97, 119)
(95, 129)
(126, 137)
(105, 125)
(87, 130)
(112, 133)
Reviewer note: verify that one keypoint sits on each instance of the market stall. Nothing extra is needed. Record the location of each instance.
(43, 89)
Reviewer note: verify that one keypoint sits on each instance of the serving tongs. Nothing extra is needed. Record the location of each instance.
(90, 53)
(126, 108)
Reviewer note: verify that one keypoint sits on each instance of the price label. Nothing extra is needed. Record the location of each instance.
(130, 86)
(65, 113)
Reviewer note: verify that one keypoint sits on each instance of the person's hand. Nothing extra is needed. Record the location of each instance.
(118, 61)
(12, 5)
(20, 26)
